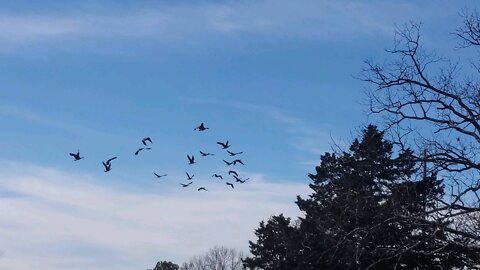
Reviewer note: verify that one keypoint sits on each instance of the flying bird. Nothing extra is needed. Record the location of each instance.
(159, 176)
(145, 140)
(234, 154)
(189, 177)
(240, 180)
(232, 172)
(206, 154)
(107, 164)
(237, 161)
(228, 163)
(201, 127)
(142, 148)
(186, 185)
(76, 156)
(224, 145)
(202, 188)
(218, 176)
(230, 184)
(191, 159)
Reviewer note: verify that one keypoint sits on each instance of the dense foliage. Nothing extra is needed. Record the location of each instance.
(165, 265)
(365, 212)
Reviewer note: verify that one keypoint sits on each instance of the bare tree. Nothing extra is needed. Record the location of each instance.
(217, 258)
(433, 104)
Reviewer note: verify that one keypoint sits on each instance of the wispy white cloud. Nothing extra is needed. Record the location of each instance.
(28, 115)
(35, 117)
(309, 19)
(52, 219)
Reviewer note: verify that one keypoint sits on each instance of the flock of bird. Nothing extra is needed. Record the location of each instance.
(191, 160)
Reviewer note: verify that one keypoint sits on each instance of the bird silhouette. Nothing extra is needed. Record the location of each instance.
(142, 148)
(201, 127)
(240, 180)
(202, 188)
(76, 157)
(230, 184)
(228, 163)
(224, 145)
(191, 159)
(159, 176)
(145, 140)
(232, 172)
(206, 154)
(107, 164)
(218, 176)
(186, 185)
(237, 161)
(189, 177)
(312, 176)
(234, 154)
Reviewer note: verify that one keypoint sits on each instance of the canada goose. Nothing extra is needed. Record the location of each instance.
(145, 140)
(230, 184)
(76, 157)
(107, 164)
(237, 161)
(240, 180)
(206, 154)
(234, 154)
(186, 185)
(228, 163)
(189, 177)
(159, 176)
(140, 149)
(201, 127)
(202, 188)
(224, 145)
(218, 176)
(232, 172)
(191, 159)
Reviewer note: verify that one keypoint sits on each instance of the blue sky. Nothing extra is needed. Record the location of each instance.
(275, 78)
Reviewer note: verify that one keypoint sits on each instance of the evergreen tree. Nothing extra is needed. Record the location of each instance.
(365, 212)
(277, 238)
(165, 265)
